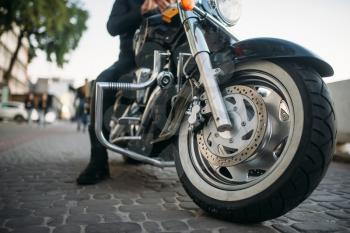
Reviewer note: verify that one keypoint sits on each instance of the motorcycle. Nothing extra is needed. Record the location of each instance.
(249, 124)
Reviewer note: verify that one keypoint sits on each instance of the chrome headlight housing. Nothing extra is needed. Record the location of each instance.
(227, 11)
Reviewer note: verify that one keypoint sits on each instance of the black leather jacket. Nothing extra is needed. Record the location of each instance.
(124, 19)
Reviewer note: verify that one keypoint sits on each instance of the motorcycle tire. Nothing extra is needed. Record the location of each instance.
(304, 162)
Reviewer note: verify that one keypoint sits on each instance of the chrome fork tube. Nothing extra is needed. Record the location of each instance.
(200, 52)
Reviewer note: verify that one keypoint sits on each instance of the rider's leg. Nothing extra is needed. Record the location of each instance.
(97, 169)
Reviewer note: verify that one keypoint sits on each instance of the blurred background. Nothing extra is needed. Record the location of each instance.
(58, 52)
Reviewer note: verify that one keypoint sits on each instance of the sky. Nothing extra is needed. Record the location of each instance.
(322, 26)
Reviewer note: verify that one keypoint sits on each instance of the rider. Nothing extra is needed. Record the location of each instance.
(124, 19)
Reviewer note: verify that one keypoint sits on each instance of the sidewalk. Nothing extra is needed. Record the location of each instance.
(38, 193)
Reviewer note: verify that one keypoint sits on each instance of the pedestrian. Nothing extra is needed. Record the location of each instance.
(85, 116)
(80, 102)
(42, 109)
(29, 105)
(125, 18)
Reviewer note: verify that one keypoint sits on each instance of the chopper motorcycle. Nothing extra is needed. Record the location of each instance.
(248, 124)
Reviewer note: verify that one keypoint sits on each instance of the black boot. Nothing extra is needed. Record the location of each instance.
(97, 169)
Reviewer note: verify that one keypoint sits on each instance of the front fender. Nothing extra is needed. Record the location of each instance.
(278, 49)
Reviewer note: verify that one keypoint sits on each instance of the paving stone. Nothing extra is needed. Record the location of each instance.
(170, 206)
(151, 227)
(207, 223)
(248, 228)
(77, 197)
(121, 227)
(149, 201)
(311, 227)
(311, 208)
(13, 213)
(169, 199)
(174, 225)
(189, 205)
(127, 202)
(342, 205)
(139, 208)
(327, 198)
(200, 231)
(284, 228)
(32, 229)
(328, 205)
(168, 215)
(67, 229)
(343, 223)
(83, 219)
(181, 192)
(24, 222)
(102, 196)
(137, 217)
(158, 194)
(184, 199)
(60, 203)
(125, 195)
(110, 218)
(105, 203)
(55, 220)
(37, 204)
(50, 211)
(40, 197)
(310, 217)
(77, 210)
(339, 214)
(100, 209)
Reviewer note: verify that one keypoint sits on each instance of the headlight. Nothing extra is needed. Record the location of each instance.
(227, 11)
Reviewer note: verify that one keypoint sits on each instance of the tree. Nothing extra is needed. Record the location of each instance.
(53, 26)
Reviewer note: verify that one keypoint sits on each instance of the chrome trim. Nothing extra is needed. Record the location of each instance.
(100, 88)
(200, 52)
(194, 33)
(146, 116)
(137, 86)
(126, 138)
(129, 120)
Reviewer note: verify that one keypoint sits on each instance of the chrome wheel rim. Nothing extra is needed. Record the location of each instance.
(271, 150)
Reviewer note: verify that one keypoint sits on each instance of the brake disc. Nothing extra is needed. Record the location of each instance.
(248, 115)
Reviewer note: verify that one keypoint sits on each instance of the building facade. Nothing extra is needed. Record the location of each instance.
(19, 82)
(62, 90)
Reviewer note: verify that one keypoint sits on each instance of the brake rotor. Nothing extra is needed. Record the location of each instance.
(248, 115)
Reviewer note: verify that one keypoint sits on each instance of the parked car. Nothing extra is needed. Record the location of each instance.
(13, 110)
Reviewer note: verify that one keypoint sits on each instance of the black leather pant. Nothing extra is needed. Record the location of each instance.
(113, 74)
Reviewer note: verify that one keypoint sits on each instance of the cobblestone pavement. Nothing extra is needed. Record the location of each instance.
(38, 194)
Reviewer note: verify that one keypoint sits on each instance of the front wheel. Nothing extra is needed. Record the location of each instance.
(281, 144)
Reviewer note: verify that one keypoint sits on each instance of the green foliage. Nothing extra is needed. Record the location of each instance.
(53, 26)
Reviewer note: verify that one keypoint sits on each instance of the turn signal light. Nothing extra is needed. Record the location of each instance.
(188, 5)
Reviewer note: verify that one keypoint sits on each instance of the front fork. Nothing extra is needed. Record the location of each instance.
(200, 52)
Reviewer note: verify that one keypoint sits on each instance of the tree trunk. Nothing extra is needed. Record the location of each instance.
(7, 74)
